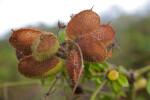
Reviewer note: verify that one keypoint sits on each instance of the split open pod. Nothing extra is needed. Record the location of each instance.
(45, 46)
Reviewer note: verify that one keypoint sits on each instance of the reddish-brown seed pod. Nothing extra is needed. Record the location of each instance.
(22, 39)
(105, 33)
(73, 65)
(93, 49)
(31, 68)
(84, 22)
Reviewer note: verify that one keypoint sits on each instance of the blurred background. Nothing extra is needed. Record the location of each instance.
(129, 18)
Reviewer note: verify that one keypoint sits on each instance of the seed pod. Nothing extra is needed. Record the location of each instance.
(22, 39)
(93, 49)
(113, 75)
(31, 68)
(44, 46)
(73, 65)
(105, 33)
(84, 22)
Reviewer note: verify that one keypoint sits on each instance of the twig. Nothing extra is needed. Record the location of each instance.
(142, 70)
(97, 91)
(91, 90)
(50, 89)
(5, 92)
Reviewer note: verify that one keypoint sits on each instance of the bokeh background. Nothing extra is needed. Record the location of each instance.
(129, 18)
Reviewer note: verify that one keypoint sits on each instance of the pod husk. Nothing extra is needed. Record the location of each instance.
(31, 68)
(22, 39)
(85, 22)
(93, 49)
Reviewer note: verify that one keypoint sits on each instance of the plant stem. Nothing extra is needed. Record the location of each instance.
(97, 91)
(132, 93)
(100, 92)
(50, 89)
(142, 70)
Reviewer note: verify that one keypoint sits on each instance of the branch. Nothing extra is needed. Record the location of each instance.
(50, 89)
(98, 89)
(142, 70)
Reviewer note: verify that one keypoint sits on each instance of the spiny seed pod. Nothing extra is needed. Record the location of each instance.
(44, 46)
(22, 39)
(84, 22)
(73, 65)
(113, 75)
(31, 68)
(105, 33)
(93, 49)
(21, 54)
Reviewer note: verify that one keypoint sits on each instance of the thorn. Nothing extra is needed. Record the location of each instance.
(92, 7)
(72, 15)
(12, 29)
(109, 23)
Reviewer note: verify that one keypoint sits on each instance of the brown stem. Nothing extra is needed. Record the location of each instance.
(51, 87)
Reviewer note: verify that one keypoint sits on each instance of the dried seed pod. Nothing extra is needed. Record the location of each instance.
(22, 39)
(31, 68)
(84, 22)
(44, 46)
(73, 65)
(105, 33)
(93, 49)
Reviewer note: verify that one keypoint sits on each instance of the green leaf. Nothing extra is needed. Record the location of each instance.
(122, 94)
(116, 86)
(122, 80)
(87, 72)
(51, 79)
(83, 79)
(148, 84)
(104, 64)
(42, 81)
(95, 67)
(61, 36)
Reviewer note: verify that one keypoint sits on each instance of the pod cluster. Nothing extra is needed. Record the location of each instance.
(35, 51)
(92, 37)
(85, 29)
(38, 51)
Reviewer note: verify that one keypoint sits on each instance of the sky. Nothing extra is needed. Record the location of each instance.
(16, 14)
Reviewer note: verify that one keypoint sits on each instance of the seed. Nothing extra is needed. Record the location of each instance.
(44, 46)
